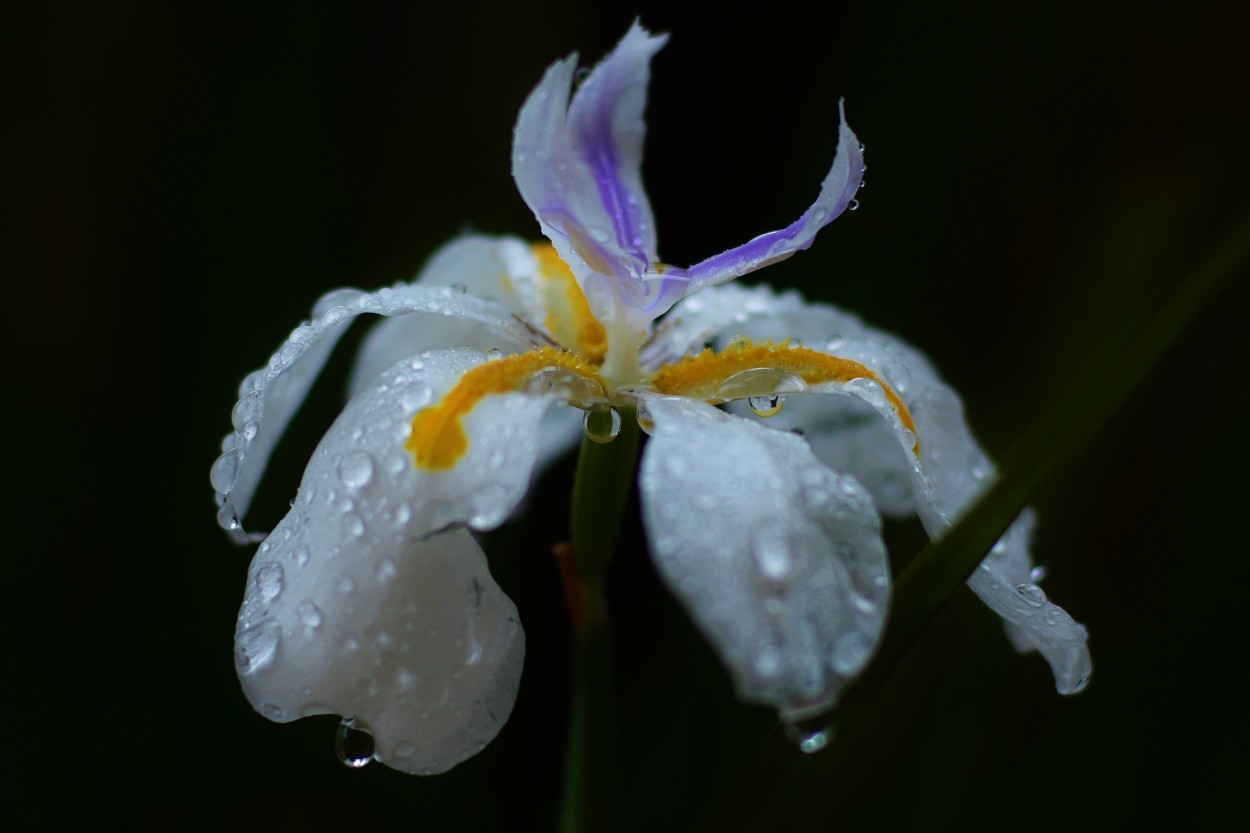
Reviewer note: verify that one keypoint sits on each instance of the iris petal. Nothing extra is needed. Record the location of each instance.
(778, 559)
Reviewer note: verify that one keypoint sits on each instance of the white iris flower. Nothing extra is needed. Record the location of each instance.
(372, 598)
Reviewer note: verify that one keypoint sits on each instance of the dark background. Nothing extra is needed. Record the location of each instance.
(184, 180)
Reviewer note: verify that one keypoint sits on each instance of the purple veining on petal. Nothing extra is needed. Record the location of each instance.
(606, 119)
(665, 288)
(836, 193)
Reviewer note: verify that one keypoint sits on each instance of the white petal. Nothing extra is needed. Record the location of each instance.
(944, 482)
(778, 559)
(412, 637)
(270, 396)
(357, 604)
(476, 266)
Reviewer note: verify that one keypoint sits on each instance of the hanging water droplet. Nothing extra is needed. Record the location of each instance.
(861, 147)
(767, 406)
(1037, 573)
(602, 426)
(853, 205)
(353, 743)
(224, 471)
(227, 518)
(810, 742)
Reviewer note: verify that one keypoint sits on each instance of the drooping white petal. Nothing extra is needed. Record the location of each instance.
(364, 601)
(410, 636)
(269, 397)
(578, 167)
(778, 559)
(952, 468)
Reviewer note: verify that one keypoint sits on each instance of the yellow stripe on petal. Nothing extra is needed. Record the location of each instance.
(569, 318)
(702, 376)
(438, 440)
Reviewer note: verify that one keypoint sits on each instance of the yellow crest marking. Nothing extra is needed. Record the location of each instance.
(700, 376)
(569, 318)
(438, 440)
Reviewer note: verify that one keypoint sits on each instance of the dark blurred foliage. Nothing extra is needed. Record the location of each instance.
(183, 179)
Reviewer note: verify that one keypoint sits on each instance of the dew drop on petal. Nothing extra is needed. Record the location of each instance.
(766, 406)
(602, 426)
(309, 614)
(224, 471)
(1037, 574)
(353, 525)
(255, 647)
(269, 582)
(356, 469)
(353, 743)
(853, 205)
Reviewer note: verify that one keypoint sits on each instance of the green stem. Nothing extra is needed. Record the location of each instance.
(604, 481)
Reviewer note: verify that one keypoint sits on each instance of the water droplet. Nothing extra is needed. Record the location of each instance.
(272, 711)
(385, 571)
(353, 525)
(224, 471)
(301, 556)
(353, 743)
(416, 398)
(1032, 594)
(602, 426)
(255, 647)
(403, 512)
(309, 614)
(356, 469)
(227, 518)
(767, 406)
(269, 582)
(1037, 573)
(772, 554)
(861, 147)
(862, 183)
(853, 205)
(808, 739)
(346, 585)
(247, 409)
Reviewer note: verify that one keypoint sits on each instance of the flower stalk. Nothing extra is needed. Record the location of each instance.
(601, 488)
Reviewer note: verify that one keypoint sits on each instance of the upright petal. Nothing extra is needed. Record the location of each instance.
(578, 167)
(269, 397)
(778, 559)
(837, 192)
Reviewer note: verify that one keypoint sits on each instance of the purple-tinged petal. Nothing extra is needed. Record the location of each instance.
(606, 120)
(578, 167)
(836, 193)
